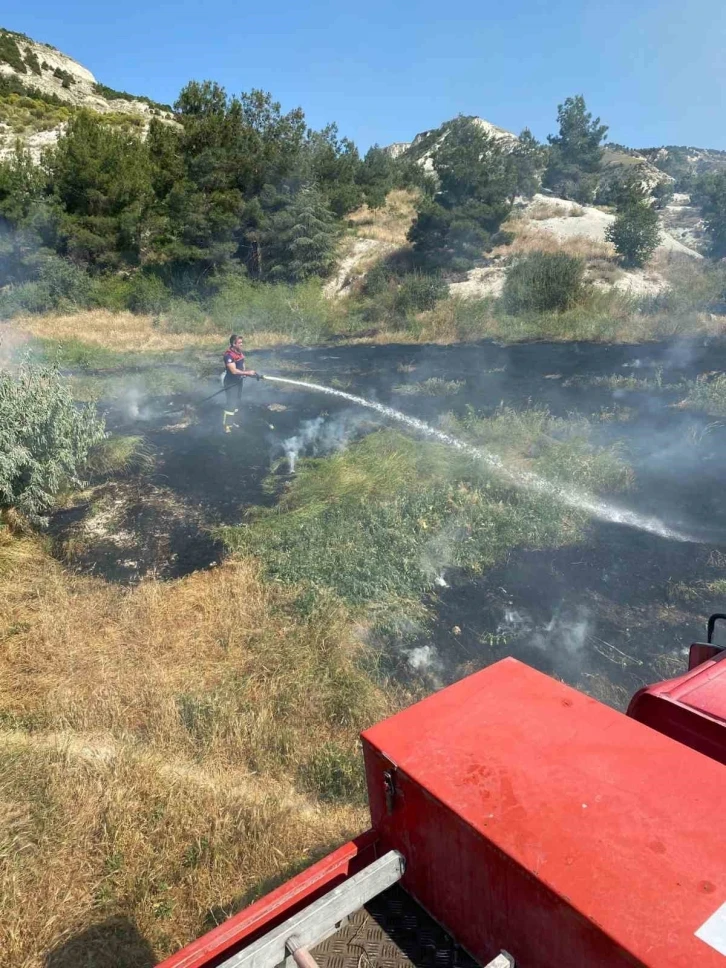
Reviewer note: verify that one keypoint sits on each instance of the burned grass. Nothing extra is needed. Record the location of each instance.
(162, 743)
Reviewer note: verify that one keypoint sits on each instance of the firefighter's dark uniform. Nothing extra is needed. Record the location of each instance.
(232, 385)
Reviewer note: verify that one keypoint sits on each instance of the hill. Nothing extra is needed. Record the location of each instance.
(41, 88)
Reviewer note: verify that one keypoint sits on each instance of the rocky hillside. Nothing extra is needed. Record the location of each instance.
(40, 88)
(425, 143)
(670, 164)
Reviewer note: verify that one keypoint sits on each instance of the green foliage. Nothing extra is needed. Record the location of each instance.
(31, 59)
(298, 240)
(544, 282)
(708, 393)
(57, 284)
(332, 164)
(377, 522)
(111, 95)
(710, 194)
(67, 78)
(23, 114)
(477, 184)
(377, 175)
(530, 160)
(418, 292)
(10, 52)
(10, 84)
(45, 439)
(101, 183)
(301, 310)
(148, 294)
(635, 233)
(575, 157)
(662, 193)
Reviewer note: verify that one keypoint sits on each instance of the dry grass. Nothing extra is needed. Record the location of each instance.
(528, 237)
(165, 749)
(390, 223)
(128, 332)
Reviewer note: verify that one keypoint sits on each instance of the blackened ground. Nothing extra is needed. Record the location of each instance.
(603, 611)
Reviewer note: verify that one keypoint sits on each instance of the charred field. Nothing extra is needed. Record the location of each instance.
(607, 609)
(188, 654)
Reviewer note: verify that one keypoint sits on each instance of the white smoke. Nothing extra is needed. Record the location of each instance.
(572, 496)
(424, 658)
(563, 633)
(323, 435)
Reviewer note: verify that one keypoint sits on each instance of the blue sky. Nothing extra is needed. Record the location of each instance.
(654, 70)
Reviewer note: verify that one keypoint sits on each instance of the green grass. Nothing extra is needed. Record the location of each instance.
(118, 455)
(377, 522)
(300, 311)
(435, 386)
(707, 393)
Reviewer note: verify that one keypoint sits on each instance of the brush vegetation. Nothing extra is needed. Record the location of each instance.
(378, 521)
(45, 439)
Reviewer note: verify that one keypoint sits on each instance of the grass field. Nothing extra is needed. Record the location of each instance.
(167, 750)
(171, 749)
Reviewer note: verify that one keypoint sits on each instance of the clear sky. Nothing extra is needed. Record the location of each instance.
(654, 70)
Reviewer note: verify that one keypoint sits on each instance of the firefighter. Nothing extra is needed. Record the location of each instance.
(234, 374)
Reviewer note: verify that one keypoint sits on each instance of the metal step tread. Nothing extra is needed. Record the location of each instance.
(391, 931)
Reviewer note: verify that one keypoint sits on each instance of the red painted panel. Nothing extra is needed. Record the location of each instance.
(274, 908)
(690, 708)
(537, 820)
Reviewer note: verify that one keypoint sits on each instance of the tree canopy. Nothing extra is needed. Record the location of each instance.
(575, 156)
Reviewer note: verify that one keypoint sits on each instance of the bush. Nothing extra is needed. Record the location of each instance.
(148, 294)
(45, 439)
(300, 311)
(419, 292)
(186, 316)
(544, 282)
(110, 292)
(58, 284)
(10, 53)
(635, 232)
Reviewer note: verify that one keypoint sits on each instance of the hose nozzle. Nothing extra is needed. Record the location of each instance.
(259, 376)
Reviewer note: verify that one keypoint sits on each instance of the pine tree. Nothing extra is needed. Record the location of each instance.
(477, 183)
(530, 160)
(710, 194)
(100, 179)
(575, 157)
(635, 233)
(377, 176)
(299, 239)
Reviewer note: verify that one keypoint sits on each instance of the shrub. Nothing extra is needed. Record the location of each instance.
(10, 53)
(635, 232)
(377, 279)
(110, 292)
(300, 311)
(544, 282)
(31, 59)
(148, 294)
(58, 284)
(419, 292)
(186, 316)
(45, 439)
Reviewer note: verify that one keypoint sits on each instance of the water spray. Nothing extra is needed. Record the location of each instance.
(524, 479)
